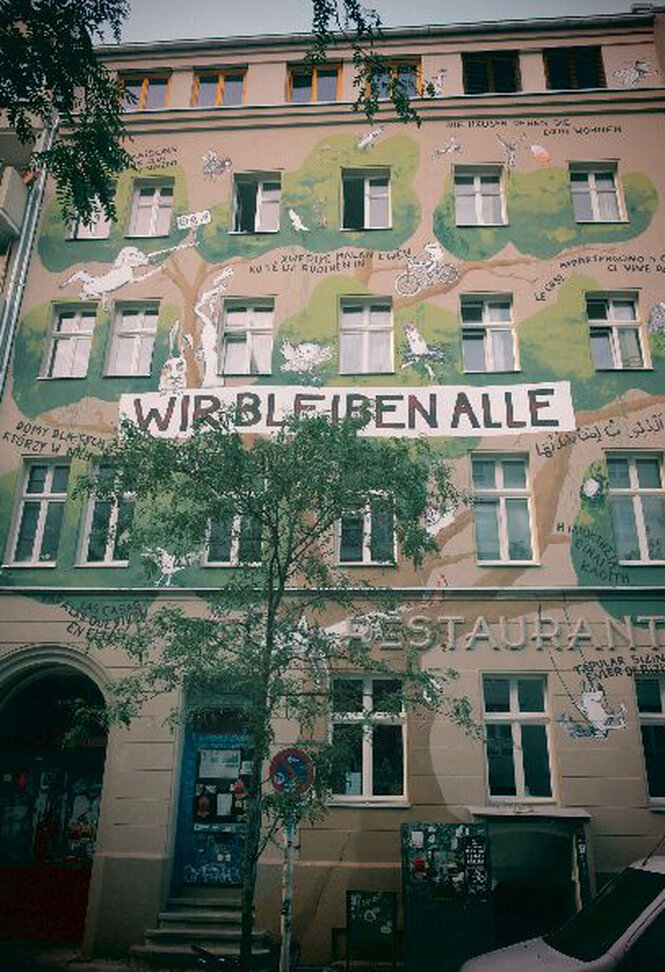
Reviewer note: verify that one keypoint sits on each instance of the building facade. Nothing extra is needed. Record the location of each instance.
(493, 279)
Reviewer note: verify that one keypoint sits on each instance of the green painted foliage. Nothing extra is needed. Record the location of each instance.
(314, 192)
(34, 396)
(541, 220)
(57, 252)
(594, 557)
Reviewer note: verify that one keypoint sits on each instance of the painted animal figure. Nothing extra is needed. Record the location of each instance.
(631, 75)
(540, 154)
(173, 376)
(213, 165)
(169, 565)
(304, 358)
(449, 146)
(297, 222)
(510, 149)
(99, 286)
(366, 141)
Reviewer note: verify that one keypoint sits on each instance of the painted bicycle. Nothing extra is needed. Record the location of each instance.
(425, 273)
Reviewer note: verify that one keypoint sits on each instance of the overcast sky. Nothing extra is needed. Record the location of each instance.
(153, 20)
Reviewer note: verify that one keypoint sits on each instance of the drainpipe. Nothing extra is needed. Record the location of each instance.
(21, 262)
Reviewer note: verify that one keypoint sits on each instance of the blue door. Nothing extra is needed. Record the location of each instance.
(211, 812)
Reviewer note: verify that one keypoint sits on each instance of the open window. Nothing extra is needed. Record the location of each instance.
(256, 202)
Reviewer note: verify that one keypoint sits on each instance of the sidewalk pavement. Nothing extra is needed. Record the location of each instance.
(49, 957)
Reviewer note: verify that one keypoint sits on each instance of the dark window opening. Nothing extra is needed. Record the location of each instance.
(491, 71)
(574, 67)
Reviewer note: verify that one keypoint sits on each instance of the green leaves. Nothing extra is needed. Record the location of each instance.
(50, 77)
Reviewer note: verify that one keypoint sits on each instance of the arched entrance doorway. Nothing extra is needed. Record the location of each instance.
(49, 802)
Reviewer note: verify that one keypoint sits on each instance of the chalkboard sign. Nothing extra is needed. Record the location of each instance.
(371, 925)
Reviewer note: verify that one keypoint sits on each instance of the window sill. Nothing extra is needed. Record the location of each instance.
(32, 564)
(602, 222)
(372, 803)
(227, 564)
(102, 563)
(253, 232)
(147, 236)
(364, 229)
(621, 371)
(480, 225)
(657, 805)
(507, 563)
(360, 374)
(642, 563)
(513, 371)
(366, 563)
(61, 377)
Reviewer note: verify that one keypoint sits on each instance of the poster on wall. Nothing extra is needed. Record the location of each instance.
(219, 764)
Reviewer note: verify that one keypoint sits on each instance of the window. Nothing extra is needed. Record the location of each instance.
(488, 338)
(368, 536)
(502, 504)
(366, 336)
(404, 74)
(256, 200)
(151, 209)
(39, 516)
(491, 71)
(98, 229)
(479, 197)
(133, 340)
(218, 88)
(313, 84)
(570, 68)
(614, 330)
(151, 91)
(70, 344)
(246, 345)
(637, 500)
(651, 707)
(107, 525)
(595, 194)
(366, 199)
(368, 730)
(514, 712)
(233, 540)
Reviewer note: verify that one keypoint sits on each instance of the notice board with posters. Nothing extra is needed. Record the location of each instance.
(446, 880)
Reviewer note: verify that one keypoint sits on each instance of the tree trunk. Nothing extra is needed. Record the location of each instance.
(250, 858)
(287, 896)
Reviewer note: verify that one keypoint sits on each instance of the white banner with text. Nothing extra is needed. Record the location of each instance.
(435, 410)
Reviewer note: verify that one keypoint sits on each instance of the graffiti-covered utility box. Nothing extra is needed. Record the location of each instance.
(447, 885)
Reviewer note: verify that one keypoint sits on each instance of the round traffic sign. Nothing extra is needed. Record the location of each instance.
(291, 771)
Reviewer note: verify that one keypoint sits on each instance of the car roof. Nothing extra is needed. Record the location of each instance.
(655, 864)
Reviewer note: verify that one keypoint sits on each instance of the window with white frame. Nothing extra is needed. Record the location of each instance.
(366, 199)
(502, 506)
(615, 332)
(99, 227)
(256, 202)
(68, 352)
(488, 337)
(637, 501)
(152, 204)
(133, 340)
(368, 733)
(365, 336)
(106, 529)
(246, 339)
(234, 539)
(368, 536)
(595, 193)
(38, 521)
(516, 732)
(651, 707)
(479, 198)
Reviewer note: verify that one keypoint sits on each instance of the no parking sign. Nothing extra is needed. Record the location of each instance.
(291, 771)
